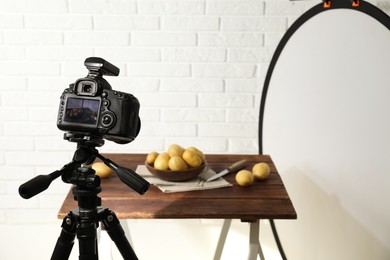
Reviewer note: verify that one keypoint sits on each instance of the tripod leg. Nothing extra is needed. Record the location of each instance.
(117, 234)
(65, 241)
(87, 236)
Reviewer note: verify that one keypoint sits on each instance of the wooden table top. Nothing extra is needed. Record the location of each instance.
(263, 200)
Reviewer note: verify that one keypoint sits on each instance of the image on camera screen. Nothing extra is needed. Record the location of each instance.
(82, 111)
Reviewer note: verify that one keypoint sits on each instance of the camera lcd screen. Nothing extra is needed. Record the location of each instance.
(82, 111)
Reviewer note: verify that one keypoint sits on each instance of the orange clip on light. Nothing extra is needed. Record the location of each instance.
(327, 4)
(356, 3)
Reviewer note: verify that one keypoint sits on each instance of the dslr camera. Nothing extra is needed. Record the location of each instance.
(90, 107)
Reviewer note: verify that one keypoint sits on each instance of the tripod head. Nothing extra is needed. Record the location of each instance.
(72, 172)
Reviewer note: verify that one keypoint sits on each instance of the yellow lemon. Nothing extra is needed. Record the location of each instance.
(175, 149)
(244, 178)
(192, 159)
(261, 171)
(151, 157)
(198, 152)
(102, 170)
(161, 162)
(176, 163)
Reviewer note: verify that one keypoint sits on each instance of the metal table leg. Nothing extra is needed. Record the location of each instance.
(254, 244)
(222, 238)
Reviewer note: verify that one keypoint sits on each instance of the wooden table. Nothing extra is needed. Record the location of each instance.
(262, 200)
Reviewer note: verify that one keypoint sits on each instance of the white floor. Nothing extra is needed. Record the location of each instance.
(152, 239)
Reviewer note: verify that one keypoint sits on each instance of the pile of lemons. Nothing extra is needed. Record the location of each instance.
(260, 171)
(176, 158)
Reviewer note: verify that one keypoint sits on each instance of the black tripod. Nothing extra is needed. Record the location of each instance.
(84, 220)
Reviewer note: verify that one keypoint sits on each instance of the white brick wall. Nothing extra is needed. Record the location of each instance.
(197, 68)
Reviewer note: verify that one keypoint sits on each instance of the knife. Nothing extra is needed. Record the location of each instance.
(232, 168)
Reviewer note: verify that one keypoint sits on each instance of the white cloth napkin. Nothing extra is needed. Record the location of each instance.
(191, 185)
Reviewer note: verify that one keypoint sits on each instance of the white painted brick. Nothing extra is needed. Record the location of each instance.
(54, 143)
(2, 187)
(243, 145)
(125, 22)
(129, 53)
(28, 129)
(58, 53)
(13, 68)
(250, 54)
(96, 38)
(193, 115)
(16, 143)
(227, 101)
(142, 143)
(33, 216)
(38, 6)
(12, 53)
(244, 85)
(189, 23)
(58, 21)
(3, 217)
(158, 70)
(230, 70)
(37, 158)
(51, 201)
(13, 83)
(171, 7)
(102, 6)
(262, 69)
(16, 172)
(242, 115)
(26, 37)
(72, 70)
(291, 20)
(231, 39)
(163, 39)
(234, 8)
(168, 100)
(44, 114)
(227, 129)
(29, 99)
(14, 201)
(272, 38)
(149, 114)
(253, 23)
(134, 85)
(192, 85)
(166, 129)
(194, 54)
(2, 158)
(287, 7)
(11, 21)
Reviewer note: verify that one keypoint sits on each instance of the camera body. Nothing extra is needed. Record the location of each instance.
(90, 107)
